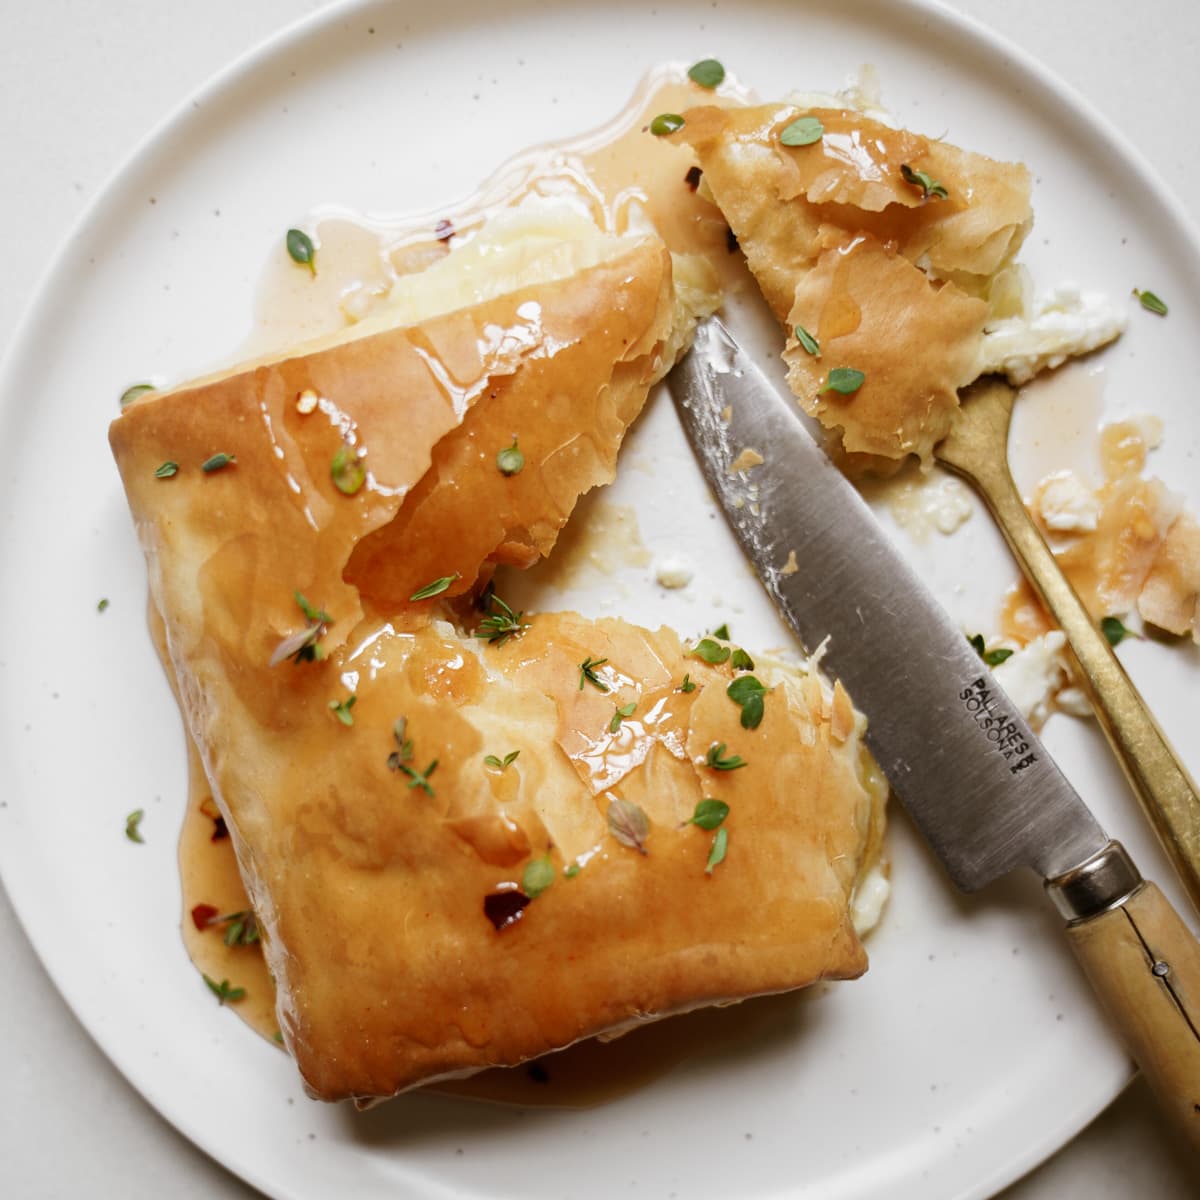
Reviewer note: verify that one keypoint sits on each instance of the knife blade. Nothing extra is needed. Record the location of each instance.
(974, 777)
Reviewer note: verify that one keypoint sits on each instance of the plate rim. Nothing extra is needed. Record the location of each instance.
(276, 46)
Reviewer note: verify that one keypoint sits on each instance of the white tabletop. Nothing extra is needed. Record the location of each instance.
(79, 85)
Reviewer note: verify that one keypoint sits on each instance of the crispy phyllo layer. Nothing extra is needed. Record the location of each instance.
(880, 244)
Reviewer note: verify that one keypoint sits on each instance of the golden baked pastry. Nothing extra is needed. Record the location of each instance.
(430, 902)
(879, 243)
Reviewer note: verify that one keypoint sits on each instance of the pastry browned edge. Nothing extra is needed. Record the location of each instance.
(388, 889)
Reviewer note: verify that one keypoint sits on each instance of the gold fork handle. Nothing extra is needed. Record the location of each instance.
(1167, 793)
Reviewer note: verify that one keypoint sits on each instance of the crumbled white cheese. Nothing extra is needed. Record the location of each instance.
(1066, 504)
(1034, 674)
(870, 895)
(673, 572)
(1065, 323)
(1073, 700)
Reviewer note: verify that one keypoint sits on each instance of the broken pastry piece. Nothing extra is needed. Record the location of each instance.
(887, 256)
(468, 848)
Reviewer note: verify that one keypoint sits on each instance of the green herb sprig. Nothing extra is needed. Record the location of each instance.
(436, 588)
(224, 991)
(587, 674)
(710, 812)
(808, 343)
(537, 877)
(994, 657)
(844, 380)
(1150, 302)
(133, 824)
(716, 855)
(621, 712)
(501, 623)
(708, 73)
(719, 761)
(301, 250)
(930, 188)
(501, 764)
(341, 709)
(666, 123)
(803, 131)
(748, 692)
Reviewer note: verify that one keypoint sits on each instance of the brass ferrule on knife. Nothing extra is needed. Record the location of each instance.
(1102, 882)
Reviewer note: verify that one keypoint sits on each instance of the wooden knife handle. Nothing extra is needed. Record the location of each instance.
(1144, 964)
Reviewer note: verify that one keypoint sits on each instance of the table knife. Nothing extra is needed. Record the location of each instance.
(975, 779)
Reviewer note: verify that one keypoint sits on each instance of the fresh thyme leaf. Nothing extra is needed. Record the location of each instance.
(1148, 301)
(993, 658)
(844, 380)
(224, 992)
(102, 604)
(716, 855)
(218, 462)
(510, 460)
(708, 73)
(808, 343)
(710, 651)
(167, 470)
(741, 661)
(537, 877)
(341, 709)
(926, 182)
(501, 763)
(752, 712)
(316, 615)
(803, 131)
(133, 825)
(622, 711)
(418, 778)
(571, 871)
(347, 470)
(687, 685)
(587, 674)
(436, 588)
(710, 812)
(278, 1037)
(628, 823)
(502, 623)
(748, 692)
(404, 743)
(130, 394)
(716, 759)
(301, 249)
(1115, 631)
(722, 632)
(666, 123)
(241, 928)
(743, 687)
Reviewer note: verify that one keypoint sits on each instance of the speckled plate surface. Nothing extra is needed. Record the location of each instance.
(971, 1049)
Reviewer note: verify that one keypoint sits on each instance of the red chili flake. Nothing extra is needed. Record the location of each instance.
(504, 908)
(220, 829)
(731, 242)
(692, 178)
(444, 231)
(202, 916)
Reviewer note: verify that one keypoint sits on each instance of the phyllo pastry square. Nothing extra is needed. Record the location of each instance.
(471, 836)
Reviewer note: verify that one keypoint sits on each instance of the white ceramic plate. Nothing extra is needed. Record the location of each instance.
(971, 1050)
